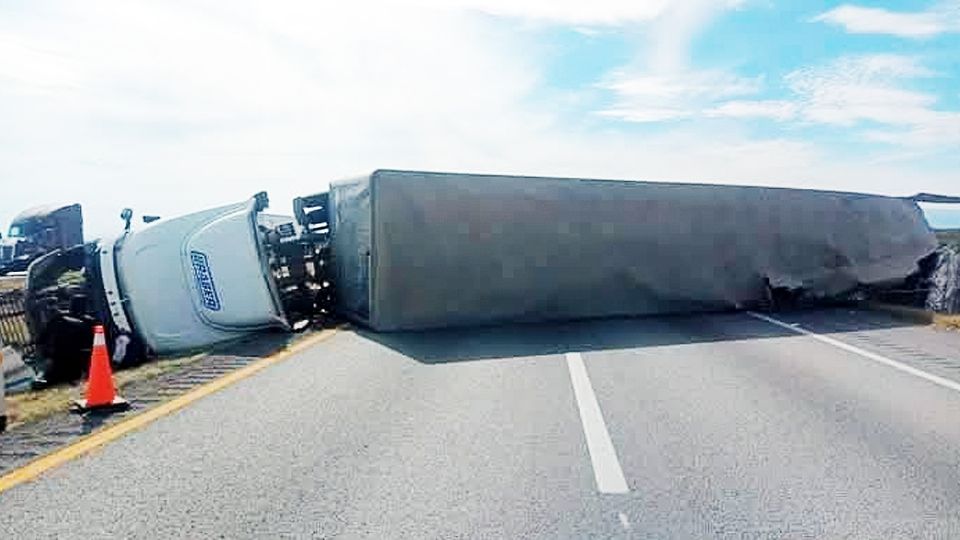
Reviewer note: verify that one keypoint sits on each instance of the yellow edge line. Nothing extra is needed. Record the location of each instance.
(101, 437)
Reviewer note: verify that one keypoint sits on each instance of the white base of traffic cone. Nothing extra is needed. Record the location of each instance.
(118, 404)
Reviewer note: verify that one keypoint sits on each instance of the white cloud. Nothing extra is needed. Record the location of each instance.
(660, 85)
(773, 109)
(602, 12)
(656, 97)
(170, 107)
(704, 84)
(943, 18)
(647, 114)
(669, 38)
(863, 88)
(869, 92)
(578, 12)
(876, 89)
(939, 130)
(34, 70)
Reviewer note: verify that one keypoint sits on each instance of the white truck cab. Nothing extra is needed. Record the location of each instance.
(180, 284)
(190, 281)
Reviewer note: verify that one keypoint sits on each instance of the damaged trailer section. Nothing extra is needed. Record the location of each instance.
(416, 250)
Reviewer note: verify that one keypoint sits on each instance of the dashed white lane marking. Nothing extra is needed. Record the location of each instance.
(624, 521)
(606, 466)
(946, 383)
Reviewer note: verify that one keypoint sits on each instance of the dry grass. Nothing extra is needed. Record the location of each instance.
(36, 405)
(917, 315)
(947, 322)
(33, 406)
(9, 283)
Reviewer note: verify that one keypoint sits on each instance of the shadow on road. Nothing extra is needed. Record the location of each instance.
(520, 340)
(259, 345)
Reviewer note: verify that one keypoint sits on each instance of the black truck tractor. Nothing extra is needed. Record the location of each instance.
(38, 231)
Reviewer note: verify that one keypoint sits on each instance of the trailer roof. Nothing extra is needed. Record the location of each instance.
(922, 197)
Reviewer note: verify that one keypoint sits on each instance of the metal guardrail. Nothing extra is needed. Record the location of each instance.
(13, 322)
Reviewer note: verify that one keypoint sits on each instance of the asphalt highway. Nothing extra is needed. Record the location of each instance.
(827, 424)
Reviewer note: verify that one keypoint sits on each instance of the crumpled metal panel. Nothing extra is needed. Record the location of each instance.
(944, 294)
(463, 249)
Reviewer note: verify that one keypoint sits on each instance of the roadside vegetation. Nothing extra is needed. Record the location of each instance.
(38, 404)
(949, 237)
(949, 322)
(35, 405)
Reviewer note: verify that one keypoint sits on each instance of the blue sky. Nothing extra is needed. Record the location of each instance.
(171, 107)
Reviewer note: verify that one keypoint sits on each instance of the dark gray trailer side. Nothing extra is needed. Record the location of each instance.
(416, 250)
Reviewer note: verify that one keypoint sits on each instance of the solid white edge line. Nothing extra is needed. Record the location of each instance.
(606, 466)
(946, 383)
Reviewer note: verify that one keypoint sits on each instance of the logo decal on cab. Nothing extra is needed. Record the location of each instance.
(208, 290)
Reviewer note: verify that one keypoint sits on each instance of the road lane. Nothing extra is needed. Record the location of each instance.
(863, 353)
(725, 426)
(931, 350)
(606, 466)
(352, 439)
(778, 436)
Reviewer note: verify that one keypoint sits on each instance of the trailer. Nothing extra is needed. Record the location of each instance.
(416, 250)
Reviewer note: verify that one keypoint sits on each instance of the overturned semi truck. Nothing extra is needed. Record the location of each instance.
(180, 284)
(407, 250)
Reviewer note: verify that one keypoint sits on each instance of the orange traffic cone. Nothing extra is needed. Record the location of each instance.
(101, 395)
